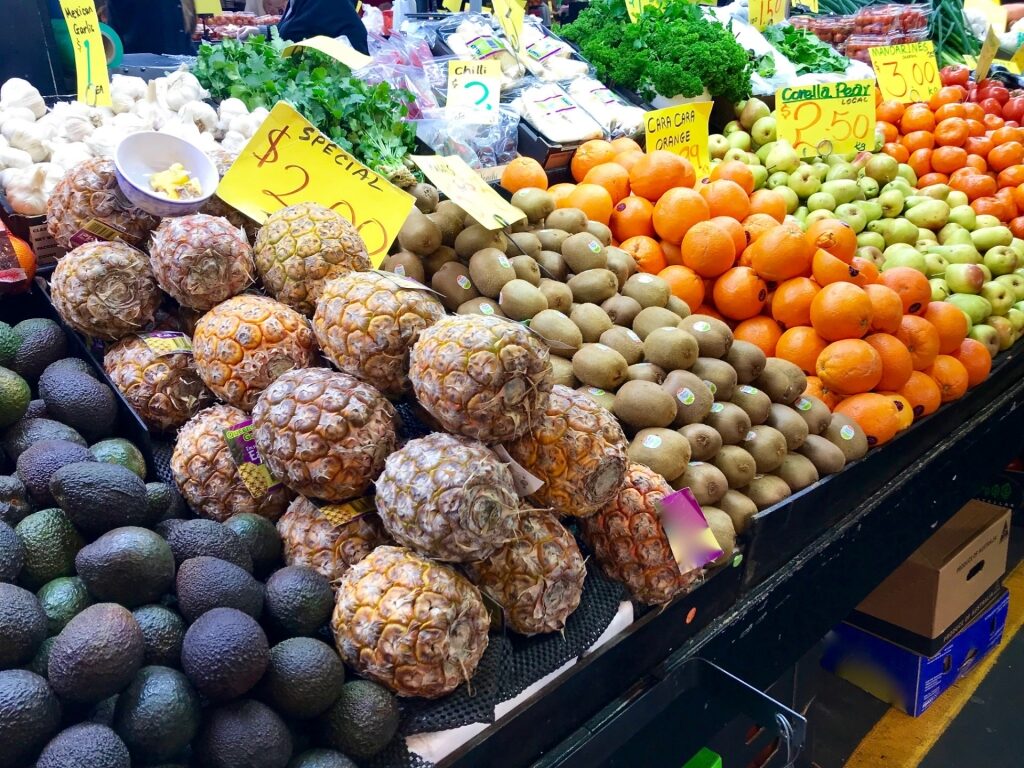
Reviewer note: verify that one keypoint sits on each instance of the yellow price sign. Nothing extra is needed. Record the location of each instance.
(994, 13)
(764, 13)
(988, 53)
(336, 49)
(208, 8)
(906, 73)
(510, 15)
(827, 118)
(474, 90)
(288, 161)
(90, 58)
(1018, 59)
(465, 188)
(682, 129)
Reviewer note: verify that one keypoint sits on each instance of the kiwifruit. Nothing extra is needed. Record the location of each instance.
(553, 266)
(739, 508)
(558, 295)
(583, 252)
(748, 360)
(419, 234)
(767, 491)
(713, 336)
(453, 283)
(480, 306)
(643, 404)
(621, 263)
(591, 320)
(602, 397)
(826, 456)
(475, 238)
(753, 401)
(789, 422)
(526, 269)
(521, 225)
(450, 226)
(767, 445)
(814, 412)
(626, 342)
(738, 466)
(437, 259)
(670, 348)
(718, 374)
(677, 305)
(523, 244)
(561, 372)
(706, 481)
(572, 220)
(646, 372)
(452, 210)
(490, 270)
(725, 533)
(651, 318)
(649, 290)
(692, 396)
(551, 239)
(664, 451)
(781, 380)
(798, 471)
(537, 204)
(592, 286)
(705, 442)
(405, 264)
(426, 197)
(731, 422)
(561, 333)
(848, 435)
(622, 309)
(600, 231)
(597, 365)
(520, 301)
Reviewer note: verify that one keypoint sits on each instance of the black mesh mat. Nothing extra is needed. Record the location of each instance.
(162, 461)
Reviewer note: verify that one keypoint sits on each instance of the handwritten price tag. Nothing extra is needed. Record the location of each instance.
(208, 8)
(289, 161)
(827, 118)
(764, 13)
(988, 52)
(682, 129)
(510, 15)
(906, 73)
(474, 88)
(464, 186)
(336, 49)
(90, 58)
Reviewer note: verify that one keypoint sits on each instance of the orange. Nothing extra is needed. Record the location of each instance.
(593, 200)
(590, 154)
(791, 303)
(707, 309)
(801, 346)
(612, 177)
(678, 210)
(922, 393)
(756, 224)
(1011, 177)
(849, 367)
(866, 272)
(974, 186)
(726, 198)
(931, 178)
(767, 201)
(708, 249)
(647, 253)
(951, 132)
(950, 322)
(827, 269)
(834, 236)
(993, 206)
(917, 117)
(761, 331)
(920, 161)
(976, 360)
(888, 131)
(735, 171)
(841, 311)
(896, 150)
(886, 308)
(736, 232)
(625, 144)
(631, 216)
(951, 376)
(559, 192)
(916, 140)
(979, 145)
(1007, 197)
(523, 172)
(921, 338)
(975, 126)
(1004, 155)
(629, 158)
(739, 293)
(876, 415)
(890, 111)
(782, 253)
(911, 286)
(1005, 135)
(973, 111)
(816, 389)
(658, 172)
(673, 253)
(948, 159)
(684, 283)
(897, 364)
(947, 94)
(947, 111)
(904, 410)
(992, 122)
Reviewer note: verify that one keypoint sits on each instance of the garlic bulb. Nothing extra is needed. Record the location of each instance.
(30, 137)
(183, 130)
(129, 122)
(228, 110)
(69, 155)
(201, 114)
(14, 158)
(21, 93)
(125, 91)
(260, 114)
(207, 142)
(104, 140)
(28, 190)
(179, 88)
(76, 127)
(233, 142)
(245, 125)
(16, 113)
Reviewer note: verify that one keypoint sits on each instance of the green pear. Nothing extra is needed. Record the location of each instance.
(986, 272)
(985, 220)
(987, 335)
(835, 159)
(763, 131)
(782, 158)
(843, 190)
(1001, 260)
(963, 215)
(1015, 283)
(841, 171)
(763, 150)
(718, 145)
(926, 235)
(871, 208)
(871, 239)
(956, 198)
(777, 179)
(975, 307)
(872, 254)
(959, 237)
(938, 191)
(752, 159)
(882, 168)
(1018, 247)
(731, 127)
(989, 237)
(852, 215)
(934, 265)
(932, 214)
(965, 279)
(892, 203)
(1005, 330)
(910, 258)
(804, 181)
(959, 253)
(753, 110)
(792, 198)
(739, 140)
(760, 176)
(1016, 318)
(907, 173)
(800, 214)
(999, 296)
(940, 290)
(869, 187)
(821, 201)
(819, 214)
(820, 170)
(895, 230)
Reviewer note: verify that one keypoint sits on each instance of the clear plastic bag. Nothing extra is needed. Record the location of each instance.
(480, 145)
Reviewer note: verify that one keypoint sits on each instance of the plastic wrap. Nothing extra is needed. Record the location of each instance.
(480, 145)
(614, 114)
(554, 113)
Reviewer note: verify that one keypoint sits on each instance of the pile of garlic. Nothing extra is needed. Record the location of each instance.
(38, 145)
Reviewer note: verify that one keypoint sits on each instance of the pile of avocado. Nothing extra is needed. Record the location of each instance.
(134, 634)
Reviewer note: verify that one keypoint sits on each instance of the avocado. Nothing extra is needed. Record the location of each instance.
(15, 397)
(42, 342)
(51, 543)
(298, 601)
(164, 501)
(12, 553)
(24, 433)
(82, 402)
(225, 653)
(363, 719)
(37, 410)
(157, 715)
(103, 712)
(29, 716)
(85, 744)
(14, 502)
(38, 463)
(65, 365)
(244, 733)
(117, 450)
(261, 539)
(9, 343)
(205, 537)
(22, 625)
(131, 566)
(303, 679)
(62, 599)
(97, 654)
(163, 631)
(40, 663)
(321, 758)
(209, 582)
(99, 497)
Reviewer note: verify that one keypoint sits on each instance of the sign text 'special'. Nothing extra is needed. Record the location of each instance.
(340, 156)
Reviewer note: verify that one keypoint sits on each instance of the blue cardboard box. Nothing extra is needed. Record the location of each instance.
(907, 680)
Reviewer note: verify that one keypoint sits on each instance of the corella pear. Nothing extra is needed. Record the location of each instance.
(937, 191)
(1016, 317)
(718, 145)
(999, 296)
(965, 278)
(820, 170)
(852, 215)
(1001, 260)
(987, 335)
(782, 158)
(934, 265)
(843, 190)
(868, 186)
(1004, 329)
(739, 140)
(956, 198)
(872, 254)
(989, 237)
(842, 171)
(907, 173)
(976, 308)
(882, 168)
(821, 201)
(1015, 283)
(955, 254)
(763, 131)
(940, 290)
(895, 230)
(871, 208)
(903, 255)
(752, 111)
(791, 198)
(760, 175)
(777, 179)
(987, 220)
(804, 181)
(891, 202)
(929, 214)
(872, 239)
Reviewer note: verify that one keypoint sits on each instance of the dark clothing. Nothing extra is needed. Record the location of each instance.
(150, 27)
(308, 18)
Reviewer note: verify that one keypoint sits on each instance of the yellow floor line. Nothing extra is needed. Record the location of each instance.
(902, 741)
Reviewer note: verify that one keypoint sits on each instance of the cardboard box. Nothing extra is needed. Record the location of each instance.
(31, 229)
(947, 574)
(909, 681)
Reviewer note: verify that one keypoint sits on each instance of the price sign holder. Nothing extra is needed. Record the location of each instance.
(988, 53)
(288, 161)
(906, 73)
(336, 49)
(510, 15)
(90, 57)
(682, 129)
(827, 118)
(474, 90)
(764, 13)
(993, 12)
(463, 185)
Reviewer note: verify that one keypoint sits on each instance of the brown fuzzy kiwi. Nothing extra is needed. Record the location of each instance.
(781, 380)
(650, 318)
(552, 266)
(599, 366)
(713, 336)
(767, 445)
(738, 466)
(642, 404)
(405, 264)
(449, 226)
(725, 533)
(526, 269)
(649, 290)
(646, 372)
(426, 197)
(677, 305)
(670, 348)
(848, 435)
(419, 234)
(592, 286)
(718, 374)
(558, 295)
(788, 421)
(602, 397)
(583, 252)
(537, 204)
(480, 306)
(693, 398)
(440, 257)
(600, 231)
(572, 220)
(767, 491)
(798, 471)
(621, 263)
(706, 481)
(490, 270)
(739, 508)
(591, 320)
(561, 372)
(523, 244)
(520, 300)
(814, 412)
(705, 442)
(622, 310)
(748, 360)
(731, 422)
(626, 342)
(453, 283)
(663, 450)
(452, 210)
(551, 239)
(560, 333)
(753, 401)
(824, 454)
(475, 238)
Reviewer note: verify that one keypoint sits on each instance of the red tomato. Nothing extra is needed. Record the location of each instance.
(997, 92)
(1014, 109)
(991, 107)
(955, 75)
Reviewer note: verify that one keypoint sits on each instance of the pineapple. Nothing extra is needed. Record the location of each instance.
(483, 377)
(217, 207)
(408, 623)
(537, 578)
(629, 542)
(366, 324)
(201, 260)
(578, 449)
(302, 246)
(448, 497)
(324, 434)
(89, 192)
(106, 290)
(243, 344)
(310, 539)
(207, 475)
(165, 390)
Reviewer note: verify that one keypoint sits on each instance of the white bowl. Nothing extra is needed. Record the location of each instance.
(139, 155)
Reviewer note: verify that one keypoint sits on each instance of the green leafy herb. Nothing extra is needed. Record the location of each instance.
(805, 50)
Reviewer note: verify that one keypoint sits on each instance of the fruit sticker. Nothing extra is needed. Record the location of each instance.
(254, 473)
(167, 342)
(827, 118)
(652, 441)
(340, 514)
(803, 404)
(702, 326)
(689, 535)
(686, 397)
(846, 432)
